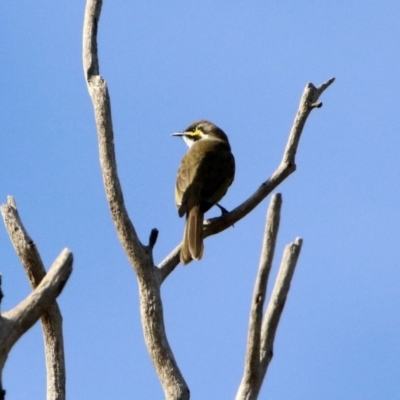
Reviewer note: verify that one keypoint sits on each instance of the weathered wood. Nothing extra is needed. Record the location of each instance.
(51, 320)
(139, 255)
(14, 323)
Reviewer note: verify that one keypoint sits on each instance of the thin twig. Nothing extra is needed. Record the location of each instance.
(51, 319)
(139, 256)
(251, 374)
(287, 166)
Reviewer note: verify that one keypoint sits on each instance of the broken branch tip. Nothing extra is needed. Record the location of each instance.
(153, 237)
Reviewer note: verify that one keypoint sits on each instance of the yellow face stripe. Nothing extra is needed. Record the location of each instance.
(196, 134)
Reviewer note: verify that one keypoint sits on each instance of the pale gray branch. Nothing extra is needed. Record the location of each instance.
(14, 323)
(308, 102)
(51, 319)
(23, 244)
(251, 375)
(98, 91)
(139, 256)
(277, 303)
(260, 345)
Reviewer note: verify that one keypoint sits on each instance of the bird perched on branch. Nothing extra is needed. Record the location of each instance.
(204, 176)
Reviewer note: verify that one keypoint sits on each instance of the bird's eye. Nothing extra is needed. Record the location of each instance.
(194, 129)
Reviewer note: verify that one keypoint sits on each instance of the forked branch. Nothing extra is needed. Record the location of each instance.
(51, 318)
(309, 101)
(261, 335)
(14, 323)
(252, 361)
(139, 255)
(277, 303)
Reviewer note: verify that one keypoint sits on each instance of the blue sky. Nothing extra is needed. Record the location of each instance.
(244, 67)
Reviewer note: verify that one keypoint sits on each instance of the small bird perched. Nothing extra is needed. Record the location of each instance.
(204, 176)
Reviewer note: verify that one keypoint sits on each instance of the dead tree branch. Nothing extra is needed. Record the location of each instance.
(277, 303)
(252, 362)
(308, 102)
(261, 335)
(139, 255)
(51, 319)
(14, 323)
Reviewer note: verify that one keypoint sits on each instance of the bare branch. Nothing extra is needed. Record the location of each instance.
(14, 323)
(51, 319)
(29, 310)
(308, 102)
(139, 256)
(169, 263)
(153, 238)
(101, 102)
(277, 303)
(1, 292)
(24, 246)
(287, 166)
(260, 345)
(251, 375)
(90, 58)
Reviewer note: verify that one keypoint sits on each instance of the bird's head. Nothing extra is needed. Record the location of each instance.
(200, 130)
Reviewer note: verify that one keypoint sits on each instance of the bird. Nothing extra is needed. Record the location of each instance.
(204, 176)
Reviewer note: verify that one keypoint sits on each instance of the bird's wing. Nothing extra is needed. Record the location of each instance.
(206, 172)
(183, 181)
(217, 172)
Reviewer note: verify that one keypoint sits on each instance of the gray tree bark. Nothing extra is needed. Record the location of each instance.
(51, 319)
(261, 334)
(139, 255)
(150, 277)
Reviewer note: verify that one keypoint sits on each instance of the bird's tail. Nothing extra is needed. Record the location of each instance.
(192, 245)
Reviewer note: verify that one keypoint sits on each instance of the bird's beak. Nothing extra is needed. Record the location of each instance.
(178, 134)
